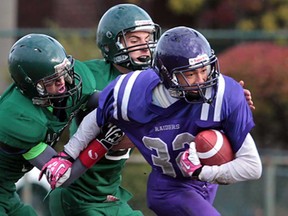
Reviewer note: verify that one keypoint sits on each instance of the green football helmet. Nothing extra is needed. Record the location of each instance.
(113, 26)
(37, 60)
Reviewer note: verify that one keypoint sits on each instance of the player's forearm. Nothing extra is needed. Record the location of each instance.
(246, 166)
(86, 132)
(87, 158)
(77, 170)
(43, 158)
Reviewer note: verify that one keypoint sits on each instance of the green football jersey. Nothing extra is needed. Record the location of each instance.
(103, 72)
(24, 125)
(104, 178)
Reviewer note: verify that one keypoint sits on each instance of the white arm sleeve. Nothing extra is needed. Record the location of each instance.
(246, 166)
(87, 131)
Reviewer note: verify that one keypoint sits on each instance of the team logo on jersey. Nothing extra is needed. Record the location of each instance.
(167, 127)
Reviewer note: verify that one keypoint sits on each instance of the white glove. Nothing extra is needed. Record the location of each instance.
(190, 161)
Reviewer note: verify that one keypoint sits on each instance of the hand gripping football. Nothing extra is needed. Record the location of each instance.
(213, 148)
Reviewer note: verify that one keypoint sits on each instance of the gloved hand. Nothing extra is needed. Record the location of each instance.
(110, 135)
(190, 162)
(59, 167)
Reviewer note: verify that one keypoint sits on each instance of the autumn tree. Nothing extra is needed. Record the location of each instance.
(269, 15)
(263, 65)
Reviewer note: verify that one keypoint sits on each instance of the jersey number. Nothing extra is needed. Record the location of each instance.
(162, 158)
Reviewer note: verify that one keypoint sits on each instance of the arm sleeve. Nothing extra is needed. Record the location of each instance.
(43, 158)
(246, 166)
(77, 170)
(87, 131)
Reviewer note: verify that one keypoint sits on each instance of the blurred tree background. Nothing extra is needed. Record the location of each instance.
(268, 15)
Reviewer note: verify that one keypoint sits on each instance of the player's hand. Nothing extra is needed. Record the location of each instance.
(189, 161)
(110, 135)
(57, 170)
(248, 96)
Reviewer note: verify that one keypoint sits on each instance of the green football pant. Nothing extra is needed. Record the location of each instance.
(13, 206)
(63, 205)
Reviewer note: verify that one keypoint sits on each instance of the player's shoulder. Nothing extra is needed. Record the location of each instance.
(142, 78)
(135, 83)
(132, 83)
(134, 94)
(103, 71)
(88, 80)
(98, 66)
(94, 64)
(22, 123)
(230, 83)
(82, 69)
(230, 90)
(80, 66)
(13, 101)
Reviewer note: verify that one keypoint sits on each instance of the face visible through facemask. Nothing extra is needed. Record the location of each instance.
(56, 86)
(189, 78)
(140, 39)
(137, 44)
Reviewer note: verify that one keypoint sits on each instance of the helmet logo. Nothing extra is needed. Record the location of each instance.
(198, 59)
(143, 22)
(109, 34)
(28, 80)
(144, 25)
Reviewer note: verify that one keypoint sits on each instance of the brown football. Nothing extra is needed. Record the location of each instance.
(213, 148)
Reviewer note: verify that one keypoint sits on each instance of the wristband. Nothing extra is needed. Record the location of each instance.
(93, 153)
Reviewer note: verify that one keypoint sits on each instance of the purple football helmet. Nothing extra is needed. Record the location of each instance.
(183, 49)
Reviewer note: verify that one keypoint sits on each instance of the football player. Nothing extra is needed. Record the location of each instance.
(126, 36)
(46, 93)
(161, 109)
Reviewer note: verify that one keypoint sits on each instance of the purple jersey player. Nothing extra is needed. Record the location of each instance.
(162, 109)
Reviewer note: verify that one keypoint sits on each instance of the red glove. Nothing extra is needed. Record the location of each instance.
(190, 162)
(58, 167)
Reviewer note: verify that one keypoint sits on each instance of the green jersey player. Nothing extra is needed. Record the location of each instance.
(126, 36)
(47, 92)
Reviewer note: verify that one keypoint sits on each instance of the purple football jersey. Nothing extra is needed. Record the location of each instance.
(162, 134)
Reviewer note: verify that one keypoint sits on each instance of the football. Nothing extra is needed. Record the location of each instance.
(213, 148)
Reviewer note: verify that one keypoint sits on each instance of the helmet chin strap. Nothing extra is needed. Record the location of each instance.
(59, 113)
(192, 97)
(137, 66)
(200, 96)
